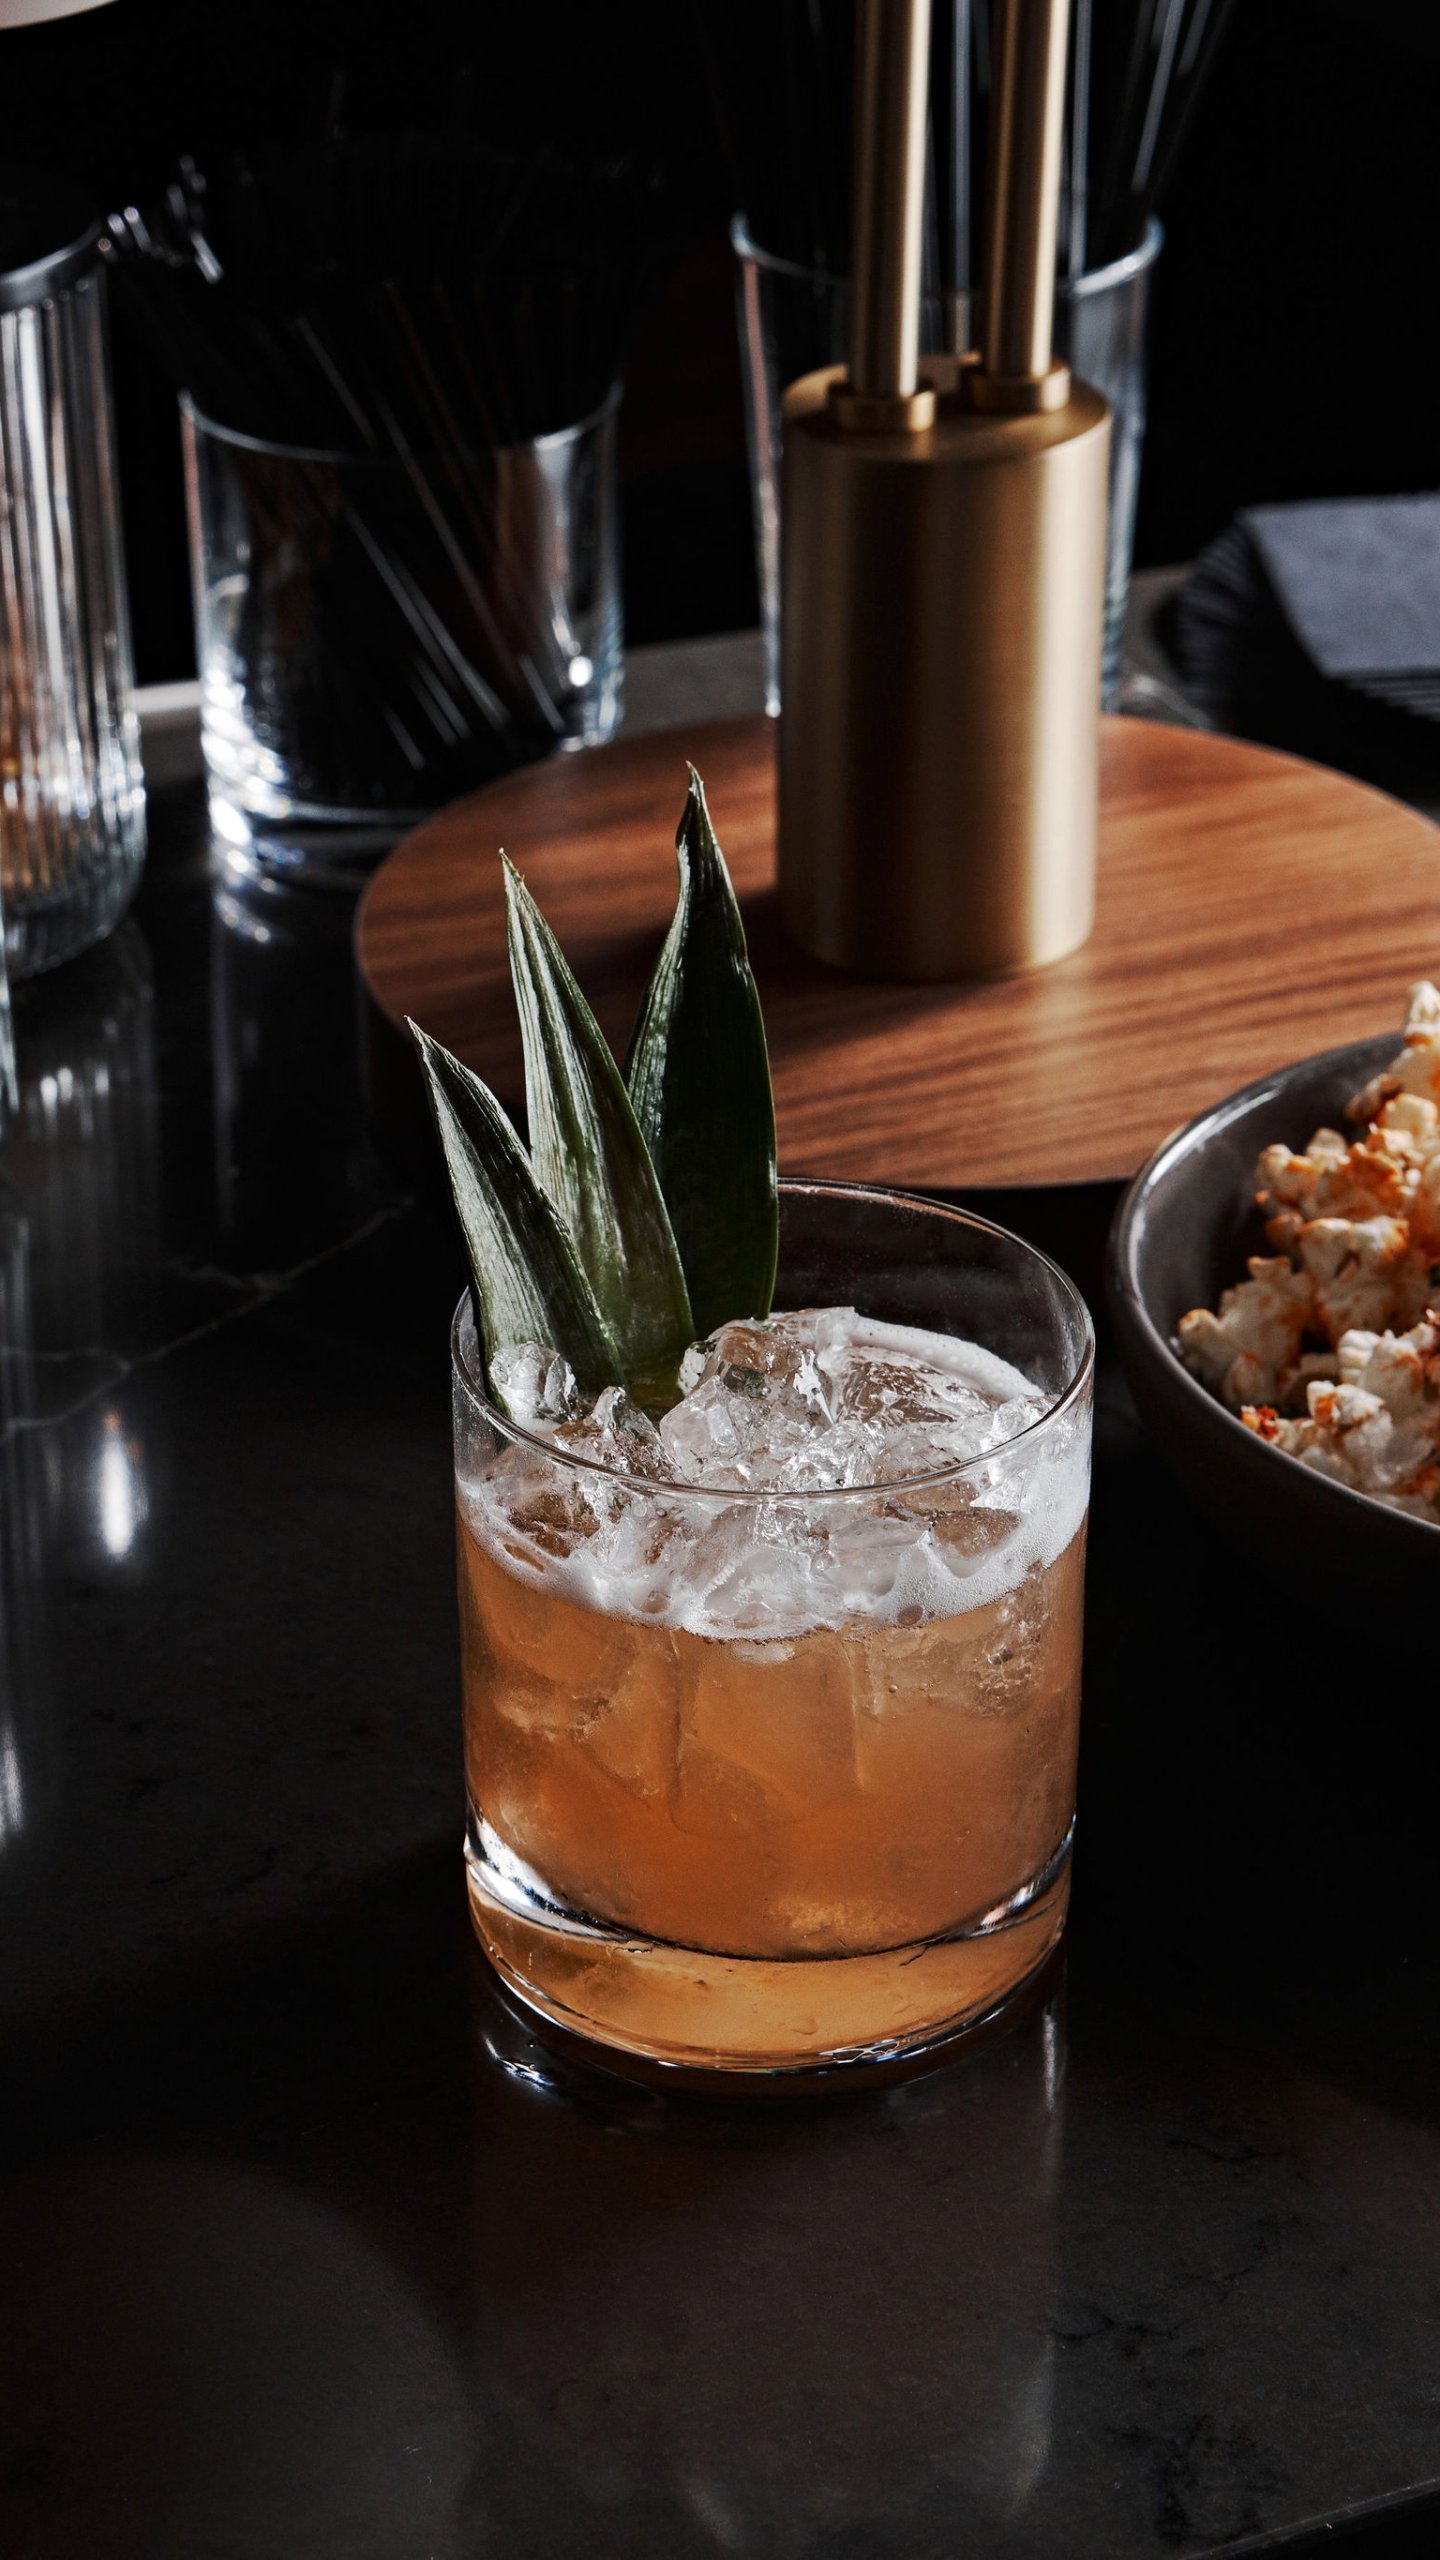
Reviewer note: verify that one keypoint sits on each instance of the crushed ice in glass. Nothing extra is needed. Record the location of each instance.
(803, 1403)
(827, 1397)
(534, 1384)
(811, 1402)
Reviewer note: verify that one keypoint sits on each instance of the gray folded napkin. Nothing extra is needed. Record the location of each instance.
(1317, 626)
(1359, 582)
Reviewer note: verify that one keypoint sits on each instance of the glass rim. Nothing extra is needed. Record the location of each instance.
(1131, 262)
(551, 441)
(663, 1488)
(1095, 279)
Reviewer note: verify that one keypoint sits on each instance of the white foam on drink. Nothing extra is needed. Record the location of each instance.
(767, 1411)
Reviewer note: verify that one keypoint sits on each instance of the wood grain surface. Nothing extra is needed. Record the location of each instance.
(1252, 909)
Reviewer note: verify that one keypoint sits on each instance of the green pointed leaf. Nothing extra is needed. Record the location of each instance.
(590, 1159)
(527, 1282)
(699, 1078)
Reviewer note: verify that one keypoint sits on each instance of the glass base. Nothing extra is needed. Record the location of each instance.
(45, 928)
(326, 857)
(692, 2010)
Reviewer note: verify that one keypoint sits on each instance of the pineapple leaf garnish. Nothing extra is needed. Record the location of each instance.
(528, 1285)
(591, 1161)
(699, 1078)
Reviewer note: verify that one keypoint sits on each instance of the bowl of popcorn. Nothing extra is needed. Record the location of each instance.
(1275, 1288)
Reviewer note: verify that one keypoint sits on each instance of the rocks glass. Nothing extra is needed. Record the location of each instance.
(768, 1781)
(377, 633)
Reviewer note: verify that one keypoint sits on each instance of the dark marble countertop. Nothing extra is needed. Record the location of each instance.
(304, 2249)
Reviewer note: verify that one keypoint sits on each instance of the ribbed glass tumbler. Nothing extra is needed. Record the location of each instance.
(72, 805)
(9, 1094)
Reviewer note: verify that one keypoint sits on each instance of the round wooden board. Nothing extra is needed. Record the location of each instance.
(1252, 909)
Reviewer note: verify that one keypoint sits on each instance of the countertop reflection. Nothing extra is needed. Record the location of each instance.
(308, 2248)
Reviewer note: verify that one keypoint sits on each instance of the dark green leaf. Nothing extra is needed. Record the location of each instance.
(527, 1282)
(699, 1078)
(590, 1159)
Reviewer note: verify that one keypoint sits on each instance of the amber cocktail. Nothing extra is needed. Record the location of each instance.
(771, 1710)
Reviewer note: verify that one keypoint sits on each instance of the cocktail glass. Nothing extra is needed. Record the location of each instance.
(743, 1795)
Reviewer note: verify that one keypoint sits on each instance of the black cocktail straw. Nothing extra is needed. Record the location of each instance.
(779, 73)
(951, 78)
(1076, 203)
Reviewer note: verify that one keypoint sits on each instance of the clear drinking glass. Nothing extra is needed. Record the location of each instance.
(1100, 329)
(768, 1781)
(9, 1090)
(72, 802)
(794, 319)
(376, 634)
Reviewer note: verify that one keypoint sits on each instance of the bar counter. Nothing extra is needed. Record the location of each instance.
(310, 2249)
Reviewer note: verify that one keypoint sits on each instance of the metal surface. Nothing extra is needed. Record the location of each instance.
(1023, 187)
(943, 578)
(892, 56)
(941, 616)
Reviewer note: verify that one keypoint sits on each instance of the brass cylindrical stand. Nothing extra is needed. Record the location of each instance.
(942, 588)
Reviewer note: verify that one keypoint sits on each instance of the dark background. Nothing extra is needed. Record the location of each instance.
(1293, 306)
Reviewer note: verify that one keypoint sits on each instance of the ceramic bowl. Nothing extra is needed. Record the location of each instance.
(1182, 1234)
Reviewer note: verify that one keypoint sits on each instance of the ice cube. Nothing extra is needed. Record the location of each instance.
(533, 1384)
(753, 1395)
(1010, 1417)
(743, 1571)
(705, 1436)
(536, 1631)
(870, 1547)
(786, 1351)
(615, 1434)
(928, 1412)
(968, 1536)
(632, 1731)
(822, 1397)
(878, 1385)
(529, 1508)
(767, 1735)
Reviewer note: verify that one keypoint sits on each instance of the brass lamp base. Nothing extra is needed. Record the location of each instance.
(942, 596)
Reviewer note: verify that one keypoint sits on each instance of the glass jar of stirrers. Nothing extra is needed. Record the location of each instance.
(72, 807)
(397, 353)
(376, 633)
(794, 319)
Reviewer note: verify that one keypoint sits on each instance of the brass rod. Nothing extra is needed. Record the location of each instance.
(1026, 121)
(892, 52)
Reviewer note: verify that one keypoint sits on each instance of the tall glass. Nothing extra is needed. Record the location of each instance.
(9, 1089)
(766, 1781)
(377, 633)
(72, 801)
(794, 319)
(1101, 324)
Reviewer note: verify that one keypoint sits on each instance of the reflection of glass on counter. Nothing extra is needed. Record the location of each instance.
(776, 2376)
(79, 1211)
(122, 1502)
(293, 1163)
